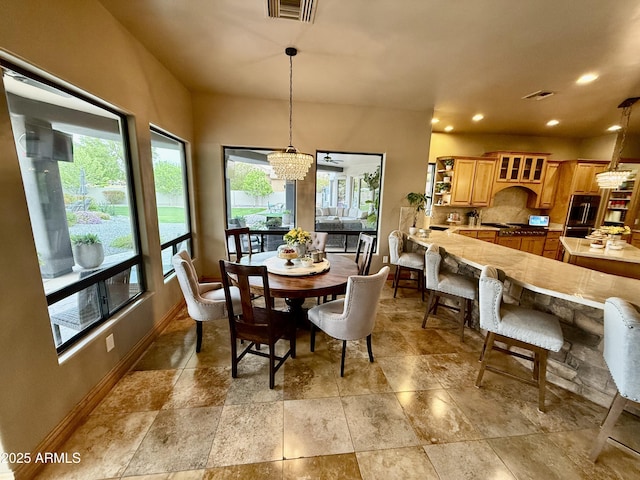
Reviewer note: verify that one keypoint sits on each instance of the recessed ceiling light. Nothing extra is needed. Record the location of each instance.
(614, 128)
(434, 120)
(587, 78)
(552, 123)
(477, 117)
(448, 128)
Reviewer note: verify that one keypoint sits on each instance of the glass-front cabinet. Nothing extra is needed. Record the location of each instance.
(515, 167)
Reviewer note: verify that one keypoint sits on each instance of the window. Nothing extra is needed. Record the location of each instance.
(255, 198)
(347, 197)
(172, 199)
(74, 159)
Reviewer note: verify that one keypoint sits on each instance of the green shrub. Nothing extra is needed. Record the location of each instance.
(114, 197)
(125, 242)
(72, 219)
(103, 215)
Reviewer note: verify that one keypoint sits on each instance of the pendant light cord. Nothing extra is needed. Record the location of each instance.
(290, 101)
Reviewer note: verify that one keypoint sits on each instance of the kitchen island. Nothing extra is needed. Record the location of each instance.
(574, 294)
(624, 262)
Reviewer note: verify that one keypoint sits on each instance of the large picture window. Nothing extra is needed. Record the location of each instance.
(348, 189)
(172, 199)
(255, 198)
(74, 160)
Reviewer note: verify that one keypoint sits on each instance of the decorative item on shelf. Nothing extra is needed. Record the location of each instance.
(418, 201)
(613, 177)
(87, 250)
(290, 164)
(443, 187)
(448, 163)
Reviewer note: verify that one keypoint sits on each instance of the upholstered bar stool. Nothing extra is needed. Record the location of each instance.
(402, 259)
(515, 326)
(622, 355)
(460, 288)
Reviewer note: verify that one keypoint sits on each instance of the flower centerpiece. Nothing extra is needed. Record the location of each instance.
(296, 246)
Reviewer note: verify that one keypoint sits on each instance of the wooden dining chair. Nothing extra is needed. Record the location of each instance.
(240, 240)
(364, 253)
(256, 321)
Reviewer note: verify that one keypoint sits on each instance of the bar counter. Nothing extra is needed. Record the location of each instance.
(574, 294)
(624, 262)
(538, 274)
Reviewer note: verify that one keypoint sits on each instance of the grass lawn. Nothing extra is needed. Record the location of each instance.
(244, 211)
(165, 214)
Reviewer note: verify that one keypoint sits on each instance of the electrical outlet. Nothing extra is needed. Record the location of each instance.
(385, 259)
(111, 343)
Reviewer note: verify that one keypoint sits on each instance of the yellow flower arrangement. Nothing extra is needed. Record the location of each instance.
(615, 230)
(297, 235)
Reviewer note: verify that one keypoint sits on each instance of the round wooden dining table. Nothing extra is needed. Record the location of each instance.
(294, 289)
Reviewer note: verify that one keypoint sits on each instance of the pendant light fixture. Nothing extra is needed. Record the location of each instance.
(290, 164)
(613, 177)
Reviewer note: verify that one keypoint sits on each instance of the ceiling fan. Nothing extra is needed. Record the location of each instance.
(328, 159)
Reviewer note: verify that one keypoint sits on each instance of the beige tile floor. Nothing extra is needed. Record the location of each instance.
(413, 413)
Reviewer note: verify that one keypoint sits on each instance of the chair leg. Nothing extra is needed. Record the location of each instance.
(542, 379)
(272, 370)
(463, 317)
(616, 408)
(396, 280)
(312, 339)
(421, 283)
(344, 350)
(486, 349)
(432, 294)
(234, 357)
(198, 336)
(369, 348)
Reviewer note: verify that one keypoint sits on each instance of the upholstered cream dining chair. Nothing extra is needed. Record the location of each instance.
(403, 259)
(205, 301)
(352, 317)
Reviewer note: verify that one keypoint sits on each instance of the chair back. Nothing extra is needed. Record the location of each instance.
(432, 259)
(622, 345)
(252, 319)
(364, 253)
(490, 297)
(318, 240)
(238, 243)
(396, 246)
(361, 304)
(188, 281)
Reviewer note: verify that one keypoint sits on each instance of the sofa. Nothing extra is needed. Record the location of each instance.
(344, 214)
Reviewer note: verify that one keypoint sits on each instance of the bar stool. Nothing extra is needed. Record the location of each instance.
(622, 355)
(453, 286)
(515, 326)
(405, 260)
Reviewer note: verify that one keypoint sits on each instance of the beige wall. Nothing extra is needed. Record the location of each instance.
(81, 43)
(402, 136)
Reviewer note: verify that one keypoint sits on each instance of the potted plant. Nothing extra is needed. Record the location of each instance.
(448, 163)
(418, 201)
(87, 250)
(286, 217)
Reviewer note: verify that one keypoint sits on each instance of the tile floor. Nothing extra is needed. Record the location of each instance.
(413, 413)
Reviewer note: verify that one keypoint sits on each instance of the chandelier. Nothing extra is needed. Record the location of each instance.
(289, 164)
(613, 177)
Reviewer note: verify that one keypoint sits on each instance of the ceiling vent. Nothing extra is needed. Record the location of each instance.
(539, 95)
(300, 10)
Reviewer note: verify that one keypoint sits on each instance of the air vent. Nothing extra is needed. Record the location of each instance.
(539, 95)
(300, 10)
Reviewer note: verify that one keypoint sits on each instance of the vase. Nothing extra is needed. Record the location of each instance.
(88, 256)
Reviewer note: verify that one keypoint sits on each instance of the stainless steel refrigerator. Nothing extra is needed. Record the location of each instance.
(581, 217)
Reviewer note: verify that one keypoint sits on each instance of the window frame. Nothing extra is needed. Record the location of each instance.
(188, 236)
(100, 277)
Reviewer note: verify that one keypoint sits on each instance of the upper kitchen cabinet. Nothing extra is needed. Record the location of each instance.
(519, 167)
(471, 179)
(547, 195)
(575, 177)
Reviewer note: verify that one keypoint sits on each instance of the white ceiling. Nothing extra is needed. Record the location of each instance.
(460, 57)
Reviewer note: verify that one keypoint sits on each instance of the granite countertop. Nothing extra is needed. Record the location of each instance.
(580, 247)
(554, 227)
(536, 273)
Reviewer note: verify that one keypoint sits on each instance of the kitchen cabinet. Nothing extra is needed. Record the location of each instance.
(533, 245)
(471, 179)
(551, 245)
(635, 239)
(520, 167)
(484, 235)
(574, 177)
(547, 195)
(511, 242)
